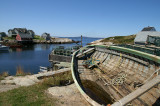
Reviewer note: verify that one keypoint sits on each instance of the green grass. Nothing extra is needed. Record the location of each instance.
(34, 95)
(37, 37)
(3, 75)
(8, 38)
(120, 39)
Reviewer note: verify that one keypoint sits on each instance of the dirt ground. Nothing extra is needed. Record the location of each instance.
(68, 96)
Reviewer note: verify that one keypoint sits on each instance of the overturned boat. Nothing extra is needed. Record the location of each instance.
(118, 75)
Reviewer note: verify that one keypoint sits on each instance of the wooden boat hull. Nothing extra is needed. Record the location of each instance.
(116, 75)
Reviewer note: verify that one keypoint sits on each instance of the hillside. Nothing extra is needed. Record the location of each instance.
(120, 39)
(115, 40)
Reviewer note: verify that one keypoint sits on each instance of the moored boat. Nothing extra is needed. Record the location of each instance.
(116, 75)
(4, 48)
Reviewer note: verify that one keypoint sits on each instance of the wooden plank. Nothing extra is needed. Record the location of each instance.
(148, 98)
(140, 91)
(87, 51)
(52, 72)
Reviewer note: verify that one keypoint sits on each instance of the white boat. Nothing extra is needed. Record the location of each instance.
(4, 48)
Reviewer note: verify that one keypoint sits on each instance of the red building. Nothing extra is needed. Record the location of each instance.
(24, 37)
(21, 34)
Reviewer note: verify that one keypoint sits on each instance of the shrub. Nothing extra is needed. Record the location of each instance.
(20, 72)
(3, 75)
(58, 80)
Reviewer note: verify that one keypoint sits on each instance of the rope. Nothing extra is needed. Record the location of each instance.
(119, 80)
(118, 63)
(152, 75)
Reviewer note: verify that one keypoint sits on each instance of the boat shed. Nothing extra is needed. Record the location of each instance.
(142, 36)
(24, 37)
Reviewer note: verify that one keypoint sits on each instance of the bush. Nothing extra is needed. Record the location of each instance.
(20, 72)
(3, 75)
(58, 80)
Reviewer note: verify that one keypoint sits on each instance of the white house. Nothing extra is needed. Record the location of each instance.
(46, 36)
(142, 36)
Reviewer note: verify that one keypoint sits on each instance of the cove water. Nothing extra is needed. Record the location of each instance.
(30, 58)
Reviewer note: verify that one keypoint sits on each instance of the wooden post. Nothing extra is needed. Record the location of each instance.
(81, 40)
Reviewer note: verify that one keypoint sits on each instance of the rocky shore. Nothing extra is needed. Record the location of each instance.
(65, 95)
(28, 80)
(100, 42)
(55, 41)
(14, 43)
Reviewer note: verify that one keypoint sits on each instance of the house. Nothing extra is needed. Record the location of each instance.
(2, 34)
(31, 33)
(22, 37)
(142, 37)
(15, 31)
(21, 34)
(46, 36)
(12, 33)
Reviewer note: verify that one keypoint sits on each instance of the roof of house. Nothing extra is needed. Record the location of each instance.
(22, 35)
(148, 29)
(21, 30)
(13, 32)
(3, 34)
(45, 34)
(31, 31)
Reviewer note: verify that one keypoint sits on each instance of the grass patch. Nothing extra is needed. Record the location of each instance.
(35, 94)
(120, 39)
(58, 80)
(9, 38)
(3, 75)
(37, 37)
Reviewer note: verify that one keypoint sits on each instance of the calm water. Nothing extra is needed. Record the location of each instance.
(31, 57)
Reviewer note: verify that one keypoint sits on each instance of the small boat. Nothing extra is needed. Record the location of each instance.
(117, 76)
(4, 48)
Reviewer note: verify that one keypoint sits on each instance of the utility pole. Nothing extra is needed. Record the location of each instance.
(81, 40)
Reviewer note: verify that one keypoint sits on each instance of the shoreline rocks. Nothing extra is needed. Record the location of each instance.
(14, 43)
(99, 42)
(30, 79)
(55, 41)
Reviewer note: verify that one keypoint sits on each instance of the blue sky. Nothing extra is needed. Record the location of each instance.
(92, 18)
